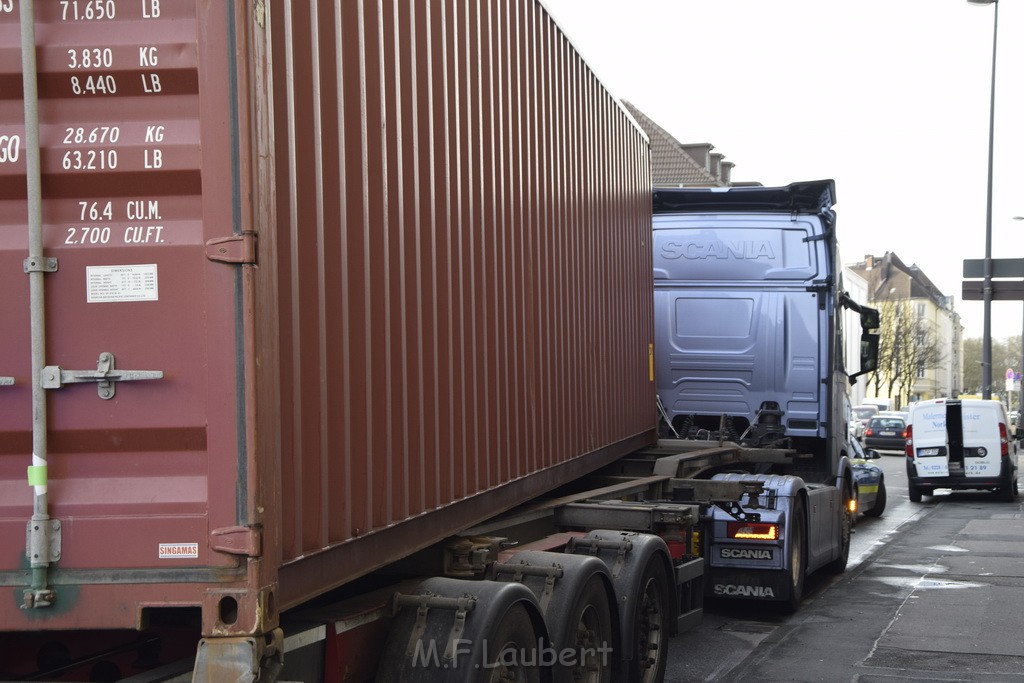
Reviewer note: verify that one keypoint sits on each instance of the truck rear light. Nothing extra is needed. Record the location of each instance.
(1004, 441)
(759, 531)
(677, 549)
(909, 433)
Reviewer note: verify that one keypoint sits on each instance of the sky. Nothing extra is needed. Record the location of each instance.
(890, 98)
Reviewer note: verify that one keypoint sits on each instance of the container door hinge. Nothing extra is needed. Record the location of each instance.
(105, 375)
(47, 264)
(42, 541)
(237, 540)
(233, 249)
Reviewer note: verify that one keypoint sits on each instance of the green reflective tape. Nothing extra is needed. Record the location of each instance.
(37, 475)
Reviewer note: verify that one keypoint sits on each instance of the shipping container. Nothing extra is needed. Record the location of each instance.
(292, 289)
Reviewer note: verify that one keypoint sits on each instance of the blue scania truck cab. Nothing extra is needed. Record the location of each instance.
(749, 351)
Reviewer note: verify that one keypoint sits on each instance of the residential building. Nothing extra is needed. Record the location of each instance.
(922, 337)
(675, 164)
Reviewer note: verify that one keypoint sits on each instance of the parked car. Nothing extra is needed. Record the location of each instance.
(868, 479)
(863, 414)
(961, 444)
(886, 433)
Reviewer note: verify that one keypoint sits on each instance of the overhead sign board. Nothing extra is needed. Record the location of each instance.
(1002, 290)
(1001, 267)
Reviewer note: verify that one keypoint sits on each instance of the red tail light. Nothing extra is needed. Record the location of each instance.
(869, 432)
(761, 531)
(909, 433)
(1004, 442)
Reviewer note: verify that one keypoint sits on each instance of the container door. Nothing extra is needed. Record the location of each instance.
(141, 326)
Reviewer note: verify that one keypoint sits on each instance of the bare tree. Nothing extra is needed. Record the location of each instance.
(923, 353)
(1005, 354)
(972, 365)
(887, 346)
(902, 329)
(907, 345)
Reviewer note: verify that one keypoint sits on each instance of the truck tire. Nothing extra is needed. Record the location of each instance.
(514, 650)
(838, 565)
(499, 634)
(577, 601)
(588, 637)
(878, 508)
(645, 599)
(650, 625)
(797, 557)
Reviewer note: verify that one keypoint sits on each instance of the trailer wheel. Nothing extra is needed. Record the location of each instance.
(650, 625)
(576, 597)
(590, 637)
(512, 649)
(797, 556)
(455, 630)
(640, 567)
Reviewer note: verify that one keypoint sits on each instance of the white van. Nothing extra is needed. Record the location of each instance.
(960, 444)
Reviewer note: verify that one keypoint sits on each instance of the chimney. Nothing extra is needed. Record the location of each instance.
(869, 261)
(727, 173)
(700, 151)
(716, 164)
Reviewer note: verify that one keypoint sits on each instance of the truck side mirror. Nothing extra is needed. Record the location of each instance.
(870, 318)
(868, 354)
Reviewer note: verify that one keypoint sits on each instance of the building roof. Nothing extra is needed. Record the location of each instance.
(879, 270)
(671, 164)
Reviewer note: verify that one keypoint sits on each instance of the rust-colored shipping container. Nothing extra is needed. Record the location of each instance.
(312, 285)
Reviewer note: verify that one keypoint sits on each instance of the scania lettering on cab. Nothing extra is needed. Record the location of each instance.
(749, 348)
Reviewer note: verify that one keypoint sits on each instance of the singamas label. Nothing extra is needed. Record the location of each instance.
(178, 551)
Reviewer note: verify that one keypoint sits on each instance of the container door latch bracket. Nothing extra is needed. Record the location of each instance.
(105, 375)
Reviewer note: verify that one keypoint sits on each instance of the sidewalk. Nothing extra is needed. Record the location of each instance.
(944, 602)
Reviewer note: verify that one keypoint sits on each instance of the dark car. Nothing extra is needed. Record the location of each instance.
(868, 479)
(886, 433)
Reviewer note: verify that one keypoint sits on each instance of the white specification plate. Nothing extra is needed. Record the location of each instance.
(121, 283)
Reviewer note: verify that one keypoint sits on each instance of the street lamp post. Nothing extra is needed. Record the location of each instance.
(986, 292)
(1020, 397)
(986, 341)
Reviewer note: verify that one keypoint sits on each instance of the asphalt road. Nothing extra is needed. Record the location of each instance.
(933, 591)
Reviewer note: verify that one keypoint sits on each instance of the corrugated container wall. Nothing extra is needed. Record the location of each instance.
(404, 284)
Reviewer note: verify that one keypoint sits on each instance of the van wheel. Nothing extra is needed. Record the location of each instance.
(915, 494)
(1008, 493)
